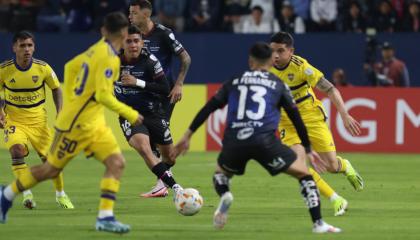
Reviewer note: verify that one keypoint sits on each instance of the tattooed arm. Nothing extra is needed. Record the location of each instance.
(334, 95)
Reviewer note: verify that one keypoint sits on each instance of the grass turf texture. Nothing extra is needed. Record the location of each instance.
(264, 207)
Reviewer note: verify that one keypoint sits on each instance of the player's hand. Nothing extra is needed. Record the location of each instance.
(2, 119)
(128, 80)
(176, 93)
(184, 144)
(139, 120)
(317, 163)
(351, 125)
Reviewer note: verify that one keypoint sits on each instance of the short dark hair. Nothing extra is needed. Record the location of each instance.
(134, 30)
(283, 38)
(141, 4)
(23, 35)
(115, 21)
(258, 8)
(261, 51)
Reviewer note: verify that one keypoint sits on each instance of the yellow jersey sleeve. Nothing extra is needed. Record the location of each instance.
(311, 74)
(106, 74)
(51, 78)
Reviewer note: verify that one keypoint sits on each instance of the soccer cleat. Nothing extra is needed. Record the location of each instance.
(109, 224)
(154, 193)
(159, 190)
(354, 178)
(5, 205)
(28, 201)
(220, 215)
(64, 202)
(323, 227)
(340, 206)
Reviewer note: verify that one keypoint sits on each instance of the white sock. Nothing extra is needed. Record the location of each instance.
(9, 194)
(176, 188)
(26, 192)
(60, 193)
(105, 213)
(334, 197)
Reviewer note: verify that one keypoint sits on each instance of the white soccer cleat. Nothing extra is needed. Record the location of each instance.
(159, 190)
(220, 215)
(323, 227)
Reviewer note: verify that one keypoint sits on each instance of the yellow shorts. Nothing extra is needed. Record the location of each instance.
(99, 142)
(38, 135)
(319, 135)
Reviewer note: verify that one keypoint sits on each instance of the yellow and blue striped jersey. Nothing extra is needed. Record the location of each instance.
(301, 77)
(88, 87)
(24, 90)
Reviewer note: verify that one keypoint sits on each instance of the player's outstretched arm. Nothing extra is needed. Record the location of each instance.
(211, 106)
(334, 95)
(176, 92)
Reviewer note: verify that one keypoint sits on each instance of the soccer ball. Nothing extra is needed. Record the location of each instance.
(188, 202)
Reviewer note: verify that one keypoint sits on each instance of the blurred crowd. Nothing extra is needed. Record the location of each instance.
(239, 16)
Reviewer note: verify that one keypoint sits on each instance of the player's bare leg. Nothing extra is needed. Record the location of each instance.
(337, 164)
(110, 184)
(221, 180)
(141, 142)
(310, 194)
(28, 179)
(18, 153)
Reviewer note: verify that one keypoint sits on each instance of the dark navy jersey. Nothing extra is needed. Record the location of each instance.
(162, 43)
(254, 100)
(147, 68)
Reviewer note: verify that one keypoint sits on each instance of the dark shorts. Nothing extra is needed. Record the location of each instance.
(154, 127)
(274, 156)
(169, 108)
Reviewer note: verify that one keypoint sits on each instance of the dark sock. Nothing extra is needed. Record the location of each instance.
(310, 195)
(221, 183)
(162, 172)
(169, 165)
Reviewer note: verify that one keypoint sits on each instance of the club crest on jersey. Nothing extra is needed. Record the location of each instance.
(108, 72)
(291, 76)
(35, 78)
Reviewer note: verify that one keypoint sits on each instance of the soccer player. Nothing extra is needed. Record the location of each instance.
(80, 126)
(301, 77)
(255, 99)
(143, 85)
(162, 43)
(24, 117)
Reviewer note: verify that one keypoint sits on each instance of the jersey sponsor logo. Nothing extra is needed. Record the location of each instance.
(12, 80)
(21, 99)
(277, 163)
(117, 89)
(108, 73)
(308, 71)
(35, 78)
(245, 133)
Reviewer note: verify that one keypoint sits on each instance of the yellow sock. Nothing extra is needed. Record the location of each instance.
(59, 182)
(19, 169)
(109, 187)
(26, 180)
(323, 186)
(342, 165)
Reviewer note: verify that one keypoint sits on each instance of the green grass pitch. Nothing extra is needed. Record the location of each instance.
(264, 207)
